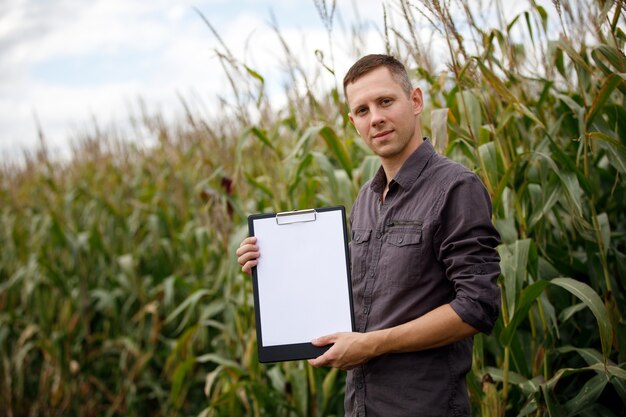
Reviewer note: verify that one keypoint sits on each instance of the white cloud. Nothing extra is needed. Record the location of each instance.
(38, 35)
(68, 61)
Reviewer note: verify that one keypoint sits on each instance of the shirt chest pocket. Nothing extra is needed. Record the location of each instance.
(358, 252)
(402, 253)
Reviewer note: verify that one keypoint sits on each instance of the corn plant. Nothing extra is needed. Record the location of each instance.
(119, 289)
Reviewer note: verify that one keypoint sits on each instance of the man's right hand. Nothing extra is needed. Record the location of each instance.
(248, 254)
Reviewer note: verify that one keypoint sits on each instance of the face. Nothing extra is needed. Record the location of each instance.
(384, 116)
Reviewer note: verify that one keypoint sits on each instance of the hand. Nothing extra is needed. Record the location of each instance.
(248, 254)
(348, 351)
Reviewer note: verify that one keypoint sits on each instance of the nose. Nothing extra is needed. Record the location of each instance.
(377, 117)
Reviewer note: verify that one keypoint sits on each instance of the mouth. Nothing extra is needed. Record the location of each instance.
(382, 135)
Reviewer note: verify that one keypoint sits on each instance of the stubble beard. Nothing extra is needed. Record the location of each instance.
(390, 148)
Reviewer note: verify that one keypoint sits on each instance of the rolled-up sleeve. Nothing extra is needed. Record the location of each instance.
(465, 242)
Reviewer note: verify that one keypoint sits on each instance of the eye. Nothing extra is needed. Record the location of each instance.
(386, 101)
(361, 111)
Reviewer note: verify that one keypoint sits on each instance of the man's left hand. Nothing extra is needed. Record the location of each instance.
(349, 350)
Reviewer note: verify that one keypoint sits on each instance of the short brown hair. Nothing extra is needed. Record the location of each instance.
(371, 62)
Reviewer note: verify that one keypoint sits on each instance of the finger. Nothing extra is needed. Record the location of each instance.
(249, 240)
(247, 268)
(313, 362)
(248, 256)
(324, 340)
(246, 248)
(317, 362)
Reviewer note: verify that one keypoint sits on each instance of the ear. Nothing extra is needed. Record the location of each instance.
(418, 101)
(352, 122)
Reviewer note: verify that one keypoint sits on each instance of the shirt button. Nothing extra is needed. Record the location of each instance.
(371, 273)
(400, 240)
(359, 385)
(357, 237)
(366, 310)
(379, 235)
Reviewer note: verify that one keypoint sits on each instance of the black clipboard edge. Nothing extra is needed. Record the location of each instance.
(298, 351)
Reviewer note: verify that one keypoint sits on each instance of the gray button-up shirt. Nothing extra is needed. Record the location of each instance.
(430, 243)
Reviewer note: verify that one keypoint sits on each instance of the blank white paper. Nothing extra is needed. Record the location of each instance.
(302, 279)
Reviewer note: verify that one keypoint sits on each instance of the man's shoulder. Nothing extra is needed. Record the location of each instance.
(447, 170)
(366, 189)
(367, 186)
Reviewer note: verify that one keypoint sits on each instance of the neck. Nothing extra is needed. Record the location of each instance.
(392, 165)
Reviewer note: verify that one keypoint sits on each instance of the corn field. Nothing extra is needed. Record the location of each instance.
(120, 294)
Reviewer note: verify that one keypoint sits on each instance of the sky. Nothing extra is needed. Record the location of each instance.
(67, 66)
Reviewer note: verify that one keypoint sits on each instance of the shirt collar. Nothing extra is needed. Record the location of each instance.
(410, 171)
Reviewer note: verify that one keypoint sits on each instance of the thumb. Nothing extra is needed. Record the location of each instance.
(324, 340)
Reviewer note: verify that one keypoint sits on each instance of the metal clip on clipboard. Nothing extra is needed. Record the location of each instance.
(296, 216)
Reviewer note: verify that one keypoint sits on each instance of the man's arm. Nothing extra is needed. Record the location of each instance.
(465, 244)
(438, 327)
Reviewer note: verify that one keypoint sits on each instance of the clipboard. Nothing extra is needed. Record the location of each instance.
(302, 288)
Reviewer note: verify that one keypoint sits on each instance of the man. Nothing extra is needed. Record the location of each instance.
(424, 264)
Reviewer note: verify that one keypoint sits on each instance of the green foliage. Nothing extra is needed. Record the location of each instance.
(119, 289)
